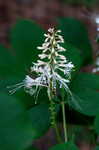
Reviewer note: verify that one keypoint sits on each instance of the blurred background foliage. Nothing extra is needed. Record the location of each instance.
(24, 122)
(89, 3)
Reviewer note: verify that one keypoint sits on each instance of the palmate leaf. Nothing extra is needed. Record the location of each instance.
(65, 146)
(76, 33)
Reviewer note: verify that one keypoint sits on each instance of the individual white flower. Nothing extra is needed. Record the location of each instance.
(28, 82)
(61, 57)
(42, 56)
(58, 31)
(60, 48)
(44, 46)
(51, 30)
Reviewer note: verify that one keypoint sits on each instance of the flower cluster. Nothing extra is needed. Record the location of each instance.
(49, 67)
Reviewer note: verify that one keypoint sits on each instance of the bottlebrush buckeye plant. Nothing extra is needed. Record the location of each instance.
(46, 85)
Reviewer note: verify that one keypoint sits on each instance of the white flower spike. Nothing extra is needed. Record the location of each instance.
(49, 67)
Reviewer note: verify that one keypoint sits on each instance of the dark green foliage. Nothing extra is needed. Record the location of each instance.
(18, 128)
(25, 37)
(76, 33)
(86, 80)
(97, 148)
(6, 62)
(85, 101)
(40, 117)
(88, 3)
(31, 148)
(85, 97)
(96, 124)
(23, 121)
(65, 146)
(73, 55)
(15, 126)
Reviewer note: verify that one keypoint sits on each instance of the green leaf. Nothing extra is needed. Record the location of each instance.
(16, 130)
(96, 124)
(72, 54)
(85, 97)
(31, 148)
(6, 62)
(85, 101)
(76, 33)
(86, 80)
(40, 117)
(25, 37)
(65, 146)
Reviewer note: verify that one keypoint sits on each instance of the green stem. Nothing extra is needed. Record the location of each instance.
(64, 121)
(52, 113)
(57, 134)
